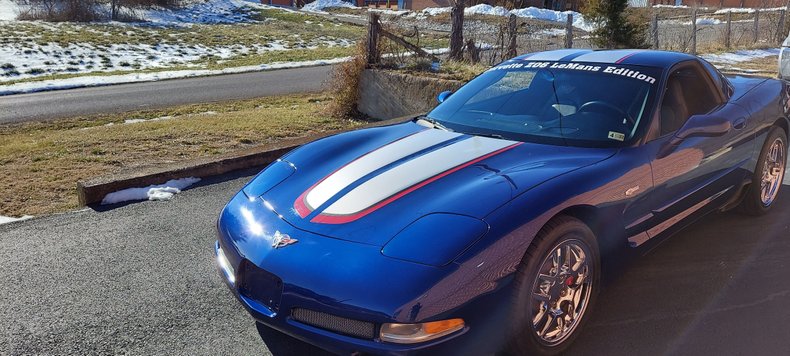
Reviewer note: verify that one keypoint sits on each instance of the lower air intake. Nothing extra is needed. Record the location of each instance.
(350, 327)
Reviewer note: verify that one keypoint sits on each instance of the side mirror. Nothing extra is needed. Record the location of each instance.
(696, 126)
(443, 96)
(704, 126)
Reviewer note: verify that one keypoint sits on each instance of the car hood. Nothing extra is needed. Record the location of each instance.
(367, 185)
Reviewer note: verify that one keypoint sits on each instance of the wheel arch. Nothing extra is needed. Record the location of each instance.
(782, 123)
(608, 230)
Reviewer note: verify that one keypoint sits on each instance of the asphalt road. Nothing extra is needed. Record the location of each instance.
(140, 279)
(136, 96)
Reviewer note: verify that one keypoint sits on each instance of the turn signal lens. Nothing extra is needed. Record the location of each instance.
(414, 333)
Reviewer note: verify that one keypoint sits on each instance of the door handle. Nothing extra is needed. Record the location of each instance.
(739, 124)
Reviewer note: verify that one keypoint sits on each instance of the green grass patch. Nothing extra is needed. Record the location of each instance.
(42, 161)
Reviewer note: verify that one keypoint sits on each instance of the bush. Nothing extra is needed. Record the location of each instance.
(62, 10)
(344, 82)
(89, 10)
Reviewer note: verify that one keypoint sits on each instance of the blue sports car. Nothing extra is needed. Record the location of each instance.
(486, 225)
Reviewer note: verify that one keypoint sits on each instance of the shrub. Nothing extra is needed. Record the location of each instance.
(344, 82)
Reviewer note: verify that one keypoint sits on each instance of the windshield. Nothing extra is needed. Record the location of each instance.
(578, 104)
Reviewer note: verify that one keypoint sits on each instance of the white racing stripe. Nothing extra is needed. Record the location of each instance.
(372, 161)
(413, 172)
(554, 55)
(605, 56)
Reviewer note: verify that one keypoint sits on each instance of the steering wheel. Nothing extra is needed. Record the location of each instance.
(605, 105)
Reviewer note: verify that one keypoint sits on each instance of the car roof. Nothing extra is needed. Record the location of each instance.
(652, 58)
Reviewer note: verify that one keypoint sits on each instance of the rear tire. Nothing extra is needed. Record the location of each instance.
(768, 175)
(555, 288)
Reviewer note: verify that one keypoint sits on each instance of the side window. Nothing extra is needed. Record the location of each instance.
(688, 93)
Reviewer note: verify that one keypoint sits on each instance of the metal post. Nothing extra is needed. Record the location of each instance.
(569, 32)
(728, 30)
(694, 31)
(654, 31)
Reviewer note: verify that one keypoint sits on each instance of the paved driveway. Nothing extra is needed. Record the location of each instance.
(140, 279)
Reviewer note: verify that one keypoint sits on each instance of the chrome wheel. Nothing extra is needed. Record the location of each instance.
(561, 291)
(773, 172)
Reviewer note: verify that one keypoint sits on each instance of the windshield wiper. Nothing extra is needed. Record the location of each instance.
(493, 135)
(436, 124)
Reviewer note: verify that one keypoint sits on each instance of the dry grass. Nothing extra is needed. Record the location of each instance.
(766, 67)
(41, 162)
(344, 81)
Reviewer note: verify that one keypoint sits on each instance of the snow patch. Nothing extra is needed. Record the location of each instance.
(485, 9)
(740, 56)
(8, 10)
(8, 219)
(707, 21)
(152, 192)
(320, 5)
(528, 13)
(746, 10)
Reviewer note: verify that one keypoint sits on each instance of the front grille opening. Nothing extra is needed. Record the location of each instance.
(340, 325)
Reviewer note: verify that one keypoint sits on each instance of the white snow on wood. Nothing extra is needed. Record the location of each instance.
(152, 192)
(740, 56)
(8, 219)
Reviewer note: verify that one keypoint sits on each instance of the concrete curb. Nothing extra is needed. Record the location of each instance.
(92, 191)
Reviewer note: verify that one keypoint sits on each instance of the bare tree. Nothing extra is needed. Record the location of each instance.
(457, 35)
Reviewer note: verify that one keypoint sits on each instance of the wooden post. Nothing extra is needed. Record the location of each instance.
(512, 50)
(654, 31)
(569, 32)
(694, 31)
(781, 28)
(473, 51)
(756, 25)
(728, 30)
(373, 38)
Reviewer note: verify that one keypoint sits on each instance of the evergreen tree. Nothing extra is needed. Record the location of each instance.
(614, 28)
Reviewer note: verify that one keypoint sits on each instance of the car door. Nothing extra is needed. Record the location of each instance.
(690, 173)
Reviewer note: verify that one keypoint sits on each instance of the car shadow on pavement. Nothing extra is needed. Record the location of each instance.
(719, 286)
(280, 344)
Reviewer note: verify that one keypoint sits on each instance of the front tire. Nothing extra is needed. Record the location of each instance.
(555, 288)
(768, 175)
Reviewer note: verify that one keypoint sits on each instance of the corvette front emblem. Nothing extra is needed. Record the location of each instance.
(282, 240)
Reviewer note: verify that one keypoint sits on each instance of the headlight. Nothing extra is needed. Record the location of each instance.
(225, 266)
(414, 333)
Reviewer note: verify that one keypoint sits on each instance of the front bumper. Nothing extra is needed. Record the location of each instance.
(338, 278)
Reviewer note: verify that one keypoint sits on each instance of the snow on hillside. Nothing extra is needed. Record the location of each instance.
(208, 12)
(320, 5)
(8, 10)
